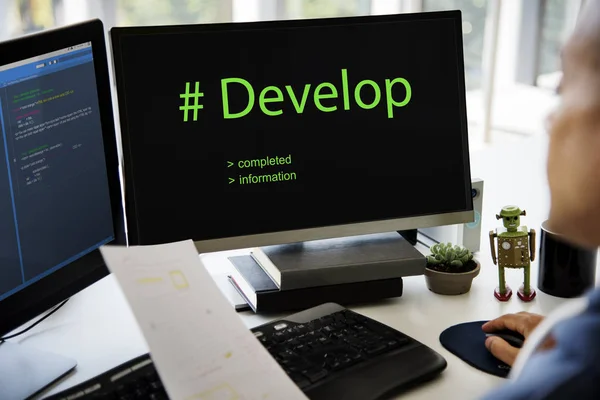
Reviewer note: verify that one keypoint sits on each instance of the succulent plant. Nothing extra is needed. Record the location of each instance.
(449, 255)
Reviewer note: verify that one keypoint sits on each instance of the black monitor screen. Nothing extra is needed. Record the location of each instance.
(233, 130)
(54, 194)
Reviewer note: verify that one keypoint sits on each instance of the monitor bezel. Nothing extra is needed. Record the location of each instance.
(40, 296)
(291, 236)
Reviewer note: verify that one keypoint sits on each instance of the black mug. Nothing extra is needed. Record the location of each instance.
(565, 270)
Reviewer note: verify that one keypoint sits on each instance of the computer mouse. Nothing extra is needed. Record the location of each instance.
(513, 338)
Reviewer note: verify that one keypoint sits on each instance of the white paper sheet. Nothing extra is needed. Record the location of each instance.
(200, 346)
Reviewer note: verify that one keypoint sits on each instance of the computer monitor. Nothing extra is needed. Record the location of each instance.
(60, 195)
(239, 135)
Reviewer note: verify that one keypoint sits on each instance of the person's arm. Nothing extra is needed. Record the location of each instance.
(568, 370)
(552, 375)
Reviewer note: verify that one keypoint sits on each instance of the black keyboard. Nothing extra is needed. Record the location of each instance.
(330, 352)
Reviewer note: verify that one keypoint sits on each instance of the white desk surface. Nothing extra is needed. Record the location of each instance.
(96, 327)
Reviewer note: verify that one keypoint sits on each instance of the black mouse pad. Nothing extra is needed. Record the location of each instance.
(467, 342)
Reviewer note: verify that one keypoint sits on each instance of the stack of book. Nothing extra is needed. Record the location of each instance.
(344, 271)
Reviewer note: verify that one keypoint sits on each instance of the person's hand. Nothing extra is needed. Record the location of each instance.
(523, 323)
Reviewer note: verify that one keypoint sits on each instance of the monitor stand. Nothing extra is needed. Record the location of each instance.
(344, 260)
(25, 371)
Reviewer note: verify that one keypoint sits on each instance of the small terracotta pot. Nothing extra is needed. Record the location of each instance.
(450, 283)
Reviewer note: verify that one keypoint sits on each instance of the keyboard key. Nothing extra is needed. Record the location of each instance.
(315, 375)
(299, 380)
(376, 349)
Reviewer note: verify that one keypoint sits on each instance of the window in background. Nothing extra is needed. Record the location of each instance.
(553, 26)
(325, 8)
(558, 17)
(474, 17)
(164, 12)
(31, 15)
(19, 17)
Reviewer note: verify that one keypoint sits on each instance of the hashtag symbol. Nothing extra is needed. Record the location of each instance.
(186, 107)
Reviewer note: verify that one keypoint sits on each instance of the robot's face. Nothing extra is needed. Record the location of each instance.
(511, 222)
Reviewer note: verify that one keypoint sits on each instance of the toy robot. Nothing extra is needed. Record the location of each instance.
(516, 249)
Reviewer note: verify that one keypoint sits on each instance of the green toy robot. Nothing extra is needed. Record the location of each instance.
(516, 249)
